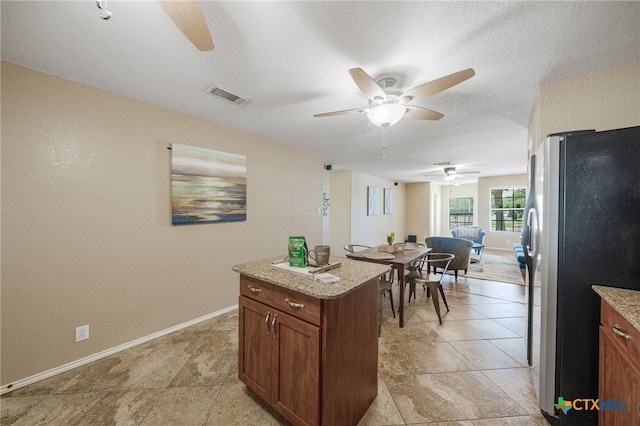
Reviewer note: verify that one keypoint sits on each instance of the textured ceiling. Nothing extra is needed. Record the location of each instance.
(292, 60)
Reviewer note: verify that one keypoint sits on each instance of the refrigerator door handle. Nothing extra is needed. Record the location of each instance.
(532, 224)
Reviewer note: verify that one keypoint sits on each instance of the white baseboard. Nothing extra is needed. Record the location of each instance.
(86, 360)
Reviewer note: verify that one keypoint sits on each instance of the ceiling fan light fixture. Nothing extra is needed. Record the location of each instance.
(386, 114)
(449, 177)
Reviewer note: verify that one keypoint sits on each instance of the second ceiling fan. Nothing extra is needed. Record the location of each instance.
(388, 104)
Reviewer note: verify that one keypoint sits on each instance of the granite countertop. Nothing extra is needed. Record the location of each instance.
(625, 302)
(352, 273)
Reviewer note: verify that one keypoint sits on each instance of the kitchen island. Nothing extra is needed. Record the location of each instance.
(619, 357)
(309, 349)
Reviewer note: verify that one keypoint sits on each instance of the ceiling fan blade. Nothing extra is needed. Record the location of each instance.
(420, 113)
(342, 112)
(438, 85)
(366, 84)
(188, 17)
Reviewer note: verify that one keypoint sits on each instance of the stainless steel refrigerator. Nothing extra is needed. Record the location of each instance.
(582, 227)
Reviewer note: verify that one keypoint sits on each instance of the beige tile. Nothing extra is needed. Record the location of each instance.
(477, 396)
(237, 405)
(184, 406)
(498, 310)
(484, 355)
(537, 420)
(514, 324)
(517, 383)
(155, 370)
(212, 362)
(60, 409)
(441, 357)
(121, 408)
(102, 374)
(515, 348)
(420, 398)
(398, 358)
(452, 331)
(464, 312)
(489, 329)
(15, 408)
(383, 410)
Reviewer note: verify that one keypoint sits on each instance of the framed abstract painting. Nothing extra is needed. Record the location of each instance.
(207, 185)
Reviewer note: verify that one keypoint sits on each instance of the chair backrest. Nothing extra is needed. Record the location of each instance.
(473, 233)
(388, 277)
(460, 248)
(440, 260)
(412, 239)
(352, 248)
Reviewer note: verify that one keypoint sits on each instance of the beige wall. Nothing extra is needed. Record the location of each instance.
(602, 100)
(419, 209)
(339, 211)
(349, 222)
(87, 235)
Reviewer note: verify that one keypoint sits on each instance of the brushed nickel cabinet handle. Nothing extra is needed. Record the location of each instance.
(266, 321)
(294, 304)
(273, 325)
(254, 290)
(616, 330)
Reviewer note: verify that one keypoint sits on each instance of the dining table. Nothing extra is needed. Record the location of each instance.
(401, 260)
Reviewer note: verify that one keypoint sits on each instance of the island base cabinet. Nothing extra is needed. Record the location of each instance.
(313, 360)
(619, 370)
(279, 357)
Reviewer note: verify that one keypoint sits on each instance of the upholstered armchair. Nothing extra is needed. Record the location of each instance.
(472, 233)
(460, 248)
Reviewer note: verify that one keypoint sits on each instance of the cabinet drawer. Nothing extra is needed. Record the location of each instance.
(611, 320)
(256, 289)
(297, 304)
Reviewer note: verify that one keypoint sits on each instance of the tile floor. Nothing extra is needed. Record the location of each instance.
(471, 370)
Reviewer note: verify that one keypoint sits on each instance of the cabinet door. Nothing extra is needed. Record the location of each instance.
(296, 366)
(255, 346)
(619, 380)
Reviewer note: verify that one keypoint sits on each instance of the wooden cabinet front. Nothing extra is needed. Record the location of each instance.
(296, 366)
(619, 370)
(315, 361)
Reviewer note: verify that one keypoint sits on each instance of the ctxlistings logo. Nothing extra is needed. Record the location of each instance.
(563, 405)
(586, 404)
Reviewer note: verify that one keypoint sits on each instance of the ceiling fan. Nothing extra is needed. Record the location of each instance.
(450, 173)
(185, 14)
(188, 17)
(388, 103)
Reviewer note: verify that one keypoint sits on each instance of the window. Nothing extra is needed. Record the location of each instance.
(460, 211)
(507, 209)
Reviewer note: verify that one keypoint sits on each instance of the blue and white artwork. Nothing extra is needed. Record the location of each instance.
(207, 186)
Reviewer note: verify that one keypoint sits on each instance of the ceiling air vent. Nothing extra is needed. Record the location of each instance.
(227, 95)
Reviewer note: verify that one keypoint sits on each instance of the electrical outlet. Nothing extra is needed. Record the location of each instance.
(82, 333)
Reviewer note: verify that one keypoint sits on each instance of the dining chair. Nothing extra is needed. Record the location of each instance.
(431, 282)
(352, 248)
(385, 286)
